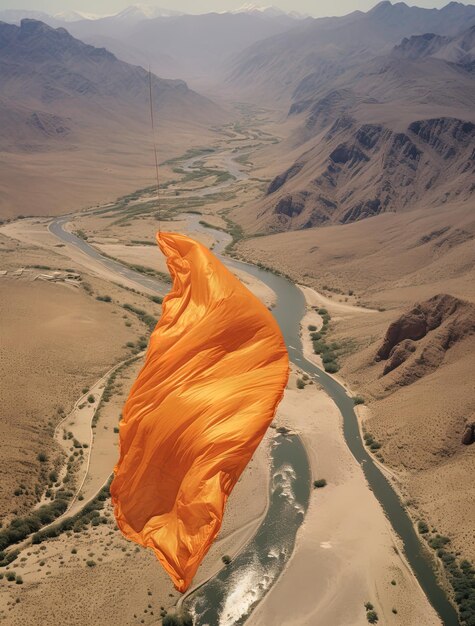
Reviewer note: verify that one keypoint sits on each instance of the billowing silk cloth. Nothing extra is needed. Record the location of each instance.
(215, 371)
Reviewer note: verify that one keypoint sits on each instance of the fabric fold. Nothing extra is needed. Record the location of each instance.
(214, 374)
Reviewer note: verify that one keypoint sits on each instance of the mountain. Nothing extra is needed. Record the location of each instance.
(173, 44)
(322, 48)
(192, 45)
(459, 50)
(63, 100)
(75, 16)
(137, 12)
(14, 16)
(385, 135)
(268, 11)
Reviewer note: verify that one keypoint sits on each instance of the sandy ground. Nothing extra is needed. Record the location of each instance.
(35, 232)
(43, 367)
(352, 554)
(420, 427)
(346, 553)
(126, 584)
(383, 260)
(53, 569)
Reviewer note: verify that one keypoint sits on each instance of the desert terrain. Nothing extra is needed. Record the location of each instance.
(347, 170)
(93, 549)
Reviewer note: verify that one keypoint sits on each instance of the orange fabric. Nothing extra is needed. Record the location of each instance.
(215, 371)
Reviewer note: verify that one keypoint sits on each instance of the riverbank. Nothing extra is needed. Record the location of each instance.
(348, 528)
(346, 552)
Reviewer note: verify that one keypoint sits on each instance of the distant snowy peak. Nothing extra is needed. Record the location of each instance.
(145, 12)
(269, 11)
(75, 16)
(14, 16)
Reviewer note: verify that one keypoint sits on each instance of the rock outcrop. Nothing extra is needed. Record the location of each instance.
(369, 169)
(418, 341)
(280, 180)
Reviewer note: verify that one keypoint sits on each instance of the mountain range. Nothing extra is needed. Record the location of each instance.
(377, 134)
(59, 95)
(320, 49)
(171, 43)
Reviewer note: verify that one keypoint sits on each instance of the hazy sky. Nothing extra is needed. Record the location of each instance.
(312, 7)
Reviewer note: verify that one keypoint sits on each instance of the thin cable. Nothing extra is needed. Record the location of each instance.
(154, 148)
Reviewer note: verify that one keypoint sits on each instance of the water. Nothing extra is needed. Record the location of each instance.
(252, 573)
(229, 597)
(288, 312)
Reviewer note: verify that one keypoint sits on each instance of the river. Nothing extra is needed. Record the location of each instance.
(229, 597)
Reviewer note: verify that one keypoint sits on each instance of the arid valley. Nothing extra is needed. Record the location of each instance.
(329, 163)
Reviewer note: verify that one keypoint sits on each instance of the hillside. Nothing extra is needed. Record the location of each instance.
(426, 353)
(386, 135)
(194, 45)
(321, 49)
(62, 101)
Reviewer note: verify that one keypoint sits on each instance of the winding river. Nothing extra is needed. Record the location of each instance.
(229, 597)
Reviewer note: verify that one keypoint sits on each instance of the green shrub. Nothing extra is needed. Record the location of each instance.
(226, 559)
(422, 527)
(358, 400)
(319, 483)
(368, 606)
(104, 298)
(42, 457)
(91, 563)
(372, 617)
(319, 346)
(331, 368)
(156, 299)
(438, 542)
(300, 384)
(312, 327)
(91, 398)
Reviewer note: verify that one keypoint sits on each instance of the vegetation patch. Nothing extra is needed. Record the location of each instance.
(22, 527)
(460, 573)
(371, 614)
(89, 515)
(319, 483)
(110, 385)
(328, 352)
(373, 445)
(156, 299)
(143, 316)
(235, 230)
